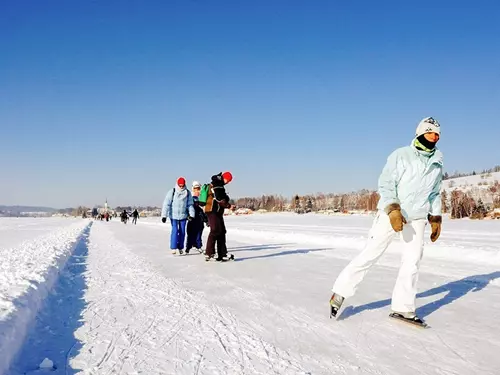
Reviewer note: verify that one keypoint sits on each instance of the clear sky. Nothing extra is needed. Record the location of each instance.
(118, 98)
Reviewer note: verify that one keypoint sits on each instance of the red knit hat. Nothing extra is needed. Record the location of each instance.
(227, 176)
(181, 181)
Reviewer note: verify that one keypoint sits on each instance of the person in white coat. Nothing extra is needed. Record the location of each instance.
(409, 189)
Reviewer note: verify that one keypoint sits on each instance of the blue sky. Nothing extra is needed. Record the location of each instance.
(118, 98)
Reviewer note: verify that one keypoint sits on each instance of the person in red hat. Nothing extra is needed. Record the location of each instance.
(217, 202)
(178, 207)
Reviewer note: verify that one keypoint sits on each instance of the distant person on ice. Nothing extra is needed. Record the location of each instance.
(217, 202)
(135, 215)
(178, 207)
(409, 189)
(124, 216)
(195, 227)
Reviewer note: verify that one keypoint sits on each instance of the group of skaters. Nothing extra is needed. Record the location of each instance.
(103, 216)
(410, 199)
(409, 188)
(124, 216)
(188, 215)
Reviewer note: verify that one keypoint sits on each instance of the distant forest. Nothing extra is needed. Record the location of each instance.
(448, 176)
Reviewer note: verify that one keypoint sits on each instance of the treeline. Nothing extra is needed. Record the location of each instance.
(132, 208)
(80, 210)
(460, 204)
(448, 176)
(360, 200)
(275, 203)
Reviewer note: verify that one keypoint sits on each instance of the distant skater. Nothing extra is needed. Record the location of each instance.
(124, 217)
(135, 215)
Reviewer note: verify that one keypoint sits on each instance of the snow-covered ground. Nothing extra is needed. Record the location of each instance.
(14, 231)
(468, 182)
(125, 305)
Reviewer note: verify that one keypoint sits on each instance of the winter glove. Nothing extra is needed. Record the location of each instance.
(163, 220)
(435, 222)
(395, 216)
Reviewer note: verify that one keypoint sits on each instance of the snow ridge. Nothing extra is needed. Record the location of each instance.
(27, 273)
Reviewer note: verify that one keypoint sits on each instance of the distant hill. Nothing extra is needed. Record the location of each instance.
(19, 209)
(478, 186)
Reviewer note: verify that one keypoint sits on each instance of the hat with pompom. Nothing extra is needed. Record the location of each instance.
(227, 176)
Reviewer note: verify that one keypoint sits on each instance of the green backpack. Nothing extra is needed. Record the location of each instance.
(204, 193)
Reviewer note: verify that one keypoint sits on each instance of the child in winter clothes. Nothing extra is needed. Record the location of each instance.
(409, 189)
(196, 188)
(195, 227)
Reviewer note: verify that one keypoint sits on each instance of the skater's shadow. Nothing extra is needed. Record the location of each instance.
(259, 247)
(454, 290)
(282, 253)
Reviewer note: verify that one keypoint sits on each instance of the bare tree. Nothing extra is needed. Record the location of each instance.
(444, 201)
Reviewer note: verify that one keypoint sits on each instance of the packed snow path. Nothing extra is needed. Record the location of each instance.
(147, 311)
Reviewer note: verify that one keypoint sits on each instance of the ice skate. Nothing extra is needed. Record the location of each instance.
(225, 258)
(335, 304)
(408, 317)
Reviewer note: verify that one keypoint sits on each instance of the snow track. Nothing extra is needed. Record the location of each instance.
(165, 328)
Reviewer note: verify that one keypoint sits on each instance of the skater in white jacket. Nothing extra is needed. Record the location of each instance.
(409, 189)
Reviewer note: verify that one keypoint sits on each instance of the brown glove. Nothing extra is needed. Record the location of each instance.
(395, 216)
(435, 222)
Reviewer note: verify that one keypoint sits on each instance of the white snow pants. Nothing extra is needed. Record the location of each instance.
(379, 238)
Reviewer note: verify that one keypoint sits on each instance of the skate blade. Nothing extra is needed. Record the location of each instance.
(409, 322)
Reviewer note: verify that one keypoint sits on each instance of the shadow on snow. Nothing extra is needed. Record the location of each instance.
(53, 333)
(259, 247)
(454, 290)
(282, 253)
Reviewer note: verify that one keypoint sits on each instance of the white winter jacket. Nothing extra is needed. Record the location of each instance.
(412, 178)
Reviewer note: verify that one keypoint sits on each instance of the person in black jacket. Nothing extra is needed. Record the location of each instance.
(135, 215)
(217, 202)
(124, 217)
(195, 227)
